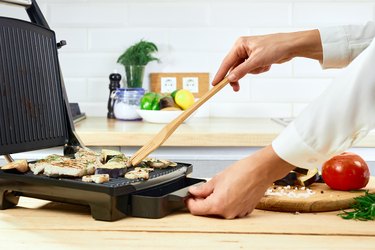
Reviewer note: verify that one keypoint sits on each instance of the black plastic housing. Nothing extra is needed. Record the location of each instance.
(162, 194)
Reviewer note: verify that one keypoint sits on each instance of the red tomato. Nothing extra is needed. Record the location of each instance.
(347, 171)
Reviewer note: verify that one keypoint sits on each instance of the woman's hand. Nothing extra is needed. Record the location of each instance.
(237, 190)
(256, 54)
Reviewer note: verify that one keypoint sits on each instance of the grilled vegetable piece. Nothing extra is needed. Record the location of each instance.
(290, 179)
(108, 154)
(139, 173)
(303, 171)
(19, 165)
(320, 179)
(97, 178)
(86, 153)
(115, 167)
(156, 163)
(308, 179)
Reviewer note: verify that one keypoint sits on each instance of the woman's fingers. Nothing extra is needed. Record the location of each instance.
(199, 206)
(203, 190)
(229, 61)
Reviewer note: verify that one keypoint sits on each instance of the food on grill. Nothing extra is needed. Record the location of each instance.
(139, 173)
(94, 167)
(69, 167)
(86, 162)
(115, 167)
(89, 157)
(107, 154)
(38, 167)
(97, 178)
(19, 165)
(156, 163)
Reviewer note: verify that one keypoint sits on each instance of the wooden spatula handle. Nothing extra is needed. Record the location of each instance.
(181, 118)
(168, 129)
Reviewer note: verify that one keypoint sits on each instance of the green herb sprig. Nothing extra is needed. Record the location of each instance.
(363, 208)
(140, 53)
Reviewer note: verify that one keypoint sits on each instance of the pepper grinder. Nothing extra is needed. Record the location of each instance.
(114, 84)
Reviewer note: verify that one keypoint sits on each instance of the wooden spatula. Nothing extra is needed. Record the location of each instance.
(169, 128)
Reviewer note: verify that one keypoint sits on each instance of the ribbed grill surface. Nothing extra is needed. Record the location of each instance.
(32, 111)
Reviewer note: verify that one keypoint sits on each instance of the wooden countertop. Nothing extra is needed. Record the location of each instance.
(206, 132)
(97, 131)
(38, 224)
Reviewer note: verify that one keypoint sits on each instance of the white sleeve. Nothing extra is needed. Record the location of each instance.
(342, 44)
(341, 116)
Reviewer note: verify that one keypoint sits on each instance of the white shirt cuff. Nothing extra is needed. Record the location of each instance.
(336, 53)
(290, 147)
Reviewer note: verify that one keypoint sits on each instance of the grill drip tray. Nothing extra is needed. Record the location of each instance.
(156, 197)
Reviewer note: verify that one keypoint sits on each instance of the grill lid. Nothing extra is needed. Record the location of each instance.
(33, 102)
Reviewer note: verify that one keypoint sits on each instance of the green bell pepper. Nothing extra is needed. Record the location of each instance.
(146, 100)
(150, 101)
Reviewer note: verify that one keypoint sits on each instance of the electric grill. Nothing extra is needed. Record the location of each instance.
(35, 114)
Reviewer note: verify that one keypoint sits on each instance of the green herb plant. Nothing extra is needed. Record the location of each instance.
(140, 53)
(363, 208)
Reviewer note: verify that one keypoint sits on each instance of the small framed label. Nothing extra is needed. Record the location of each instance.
(191, 84)
(168, 84)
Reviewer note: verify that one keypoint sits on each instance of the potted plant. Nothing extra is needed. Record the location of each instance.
(134, 59)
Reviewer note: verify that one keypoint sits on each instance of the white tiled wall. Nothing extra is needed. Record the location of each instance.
(193, 36)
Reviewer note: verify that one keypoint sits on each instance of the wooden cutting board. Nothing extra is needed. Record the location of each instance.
(324, 199)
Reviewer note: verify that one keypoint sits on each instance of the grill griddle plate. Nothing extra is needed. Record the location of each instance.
(161, 194)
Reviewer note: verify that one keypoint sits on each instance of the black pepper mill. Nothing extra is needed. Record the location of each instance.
(114, 84)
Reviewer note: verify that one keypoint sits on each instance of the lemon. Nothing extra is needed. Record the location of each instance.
(184, 98)
(173, 94)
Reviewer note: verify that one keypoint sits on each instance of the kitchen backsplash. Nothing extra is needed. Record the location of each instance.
(192, 36)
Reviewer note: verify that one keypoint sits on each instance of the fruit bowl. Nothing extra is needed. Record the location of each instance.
(159, 116)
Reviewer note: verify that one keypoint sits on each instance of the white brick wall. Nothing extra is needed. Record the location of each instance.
(193, 35)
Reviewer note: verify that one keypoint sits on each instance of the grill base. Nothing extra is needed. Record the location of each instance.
(156, 197)
(154, 202)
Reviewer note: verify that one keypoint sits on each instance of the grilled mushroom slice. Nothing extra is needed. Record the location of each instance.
(97, 178)
(139, 173)
(155, 163)
(19, 165)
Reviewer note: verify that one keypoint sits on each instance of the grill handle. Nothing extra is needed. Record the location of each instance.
(162, 200)
(182, 194)
(32, 9)
(18, 2)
